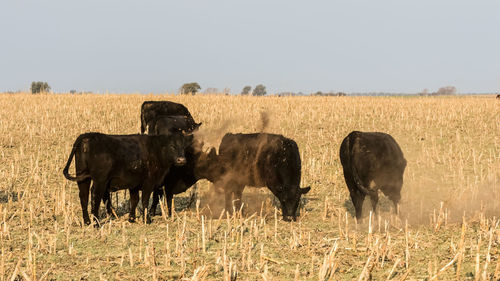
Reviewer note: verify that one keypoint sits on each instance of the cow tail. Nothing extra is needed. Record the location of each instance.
(142, 122)
(355, 175)
(297, 162)
(68, 163)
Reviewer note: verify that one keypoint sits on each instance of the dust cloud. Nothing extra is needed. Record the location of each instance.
(436, 200)
(264, 118)
(254, 200)
(211, 137)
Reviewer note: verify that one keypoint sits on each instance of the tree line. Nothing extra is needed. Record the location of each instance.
(193, 88)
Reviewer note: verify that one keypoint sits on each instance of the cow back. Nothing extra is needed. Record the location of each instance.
(375, 156)
(260, 159)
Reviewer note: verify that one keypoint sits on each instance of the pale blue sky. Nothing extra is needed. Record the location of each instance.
(156, 46)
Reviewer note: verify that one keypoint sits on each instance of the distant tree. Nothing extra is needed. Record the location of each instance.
(318, 93)
(448, 90)
(259, 90)
(72, 92)
(246, 90)
(287, 94)
(211, 91)
(424, 92)
(39, 87)
(190, 88)
(226, 91)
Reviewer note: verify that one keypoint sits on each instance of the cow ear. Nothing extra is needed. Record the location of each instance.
(305, 190)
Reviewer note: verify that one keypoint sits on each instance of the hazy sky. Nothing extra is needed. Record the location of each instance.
(156, 46)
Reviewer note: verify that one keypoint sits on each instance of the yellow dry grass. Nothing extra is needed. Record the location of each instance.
(448, 226)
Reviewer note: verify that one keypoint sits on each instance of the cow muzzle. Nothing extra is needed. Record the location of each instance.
(180, 161)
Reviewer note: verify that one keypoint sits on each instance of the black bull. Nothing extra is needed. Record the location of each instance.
(372, 161)
(114, 162)
(165, 125)
(151, 110)
(260, 160)
(199, 165)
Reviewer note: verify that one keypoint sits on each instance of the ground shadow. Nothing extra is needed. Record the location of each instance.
(121, 204)
(255, 201)
(384, 205)
(211, 203)
(6, 195)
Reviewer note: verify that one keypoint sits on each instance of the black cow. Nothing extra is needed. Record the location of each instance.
(150, 110)
(199, 165)
(114, 162)
(178, 179)
(165, 125)
(260, 160)
(372, 161)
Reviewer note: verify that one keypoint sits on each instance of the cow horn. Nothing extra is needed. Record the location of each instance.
(305, 190)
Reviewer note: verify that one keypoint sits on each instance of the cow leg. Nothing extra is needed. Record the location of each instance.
(357, 196)
(134, 200)
(146, 193)
(170, 196)
(156, 199)
(374, 200)
(357, 200)
(228, 194)
(238, 193)
(395, 198)
(394, 194)
(284, 211)
(98, 192)
(233, 190)
(84, 187)
(109, 208)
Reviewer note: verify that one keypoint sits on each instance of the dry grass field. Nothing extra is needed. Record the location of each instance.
(448, 227)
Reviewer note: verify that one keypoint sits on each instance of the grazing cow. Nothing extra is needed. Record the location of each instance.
(372, 161)
(150, 110)
(114, 162)
(165, 125)
(498, 96)
(260, 160)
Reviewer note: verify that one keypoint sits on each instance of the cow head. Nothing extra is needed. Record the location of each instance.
(290, 200)
(174, 147)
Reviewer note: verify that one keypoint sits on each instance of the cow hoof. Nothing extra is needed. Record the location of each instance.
(131, 220)
(86, 221)
(286, 218)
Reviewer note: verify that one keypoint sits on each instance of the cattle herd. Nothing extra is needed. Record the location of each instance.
(169, 159)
